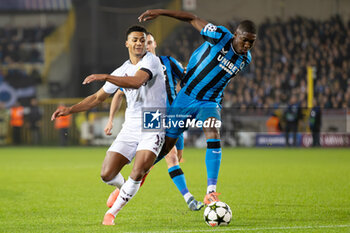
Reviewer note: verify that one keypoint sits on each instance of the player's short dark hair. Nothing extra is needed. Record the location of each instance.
(149, 33)
(135, 28)
(247, 26)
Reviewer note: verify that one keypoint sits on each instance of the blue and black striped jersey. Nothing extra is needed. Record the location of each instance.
(173, 72)
(213, 64)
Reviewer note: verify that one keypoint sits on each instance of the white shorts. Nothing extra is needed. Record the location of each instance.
(132, 139)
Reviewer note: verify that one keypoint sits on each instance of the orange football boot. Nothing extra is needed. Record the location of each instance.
(108, 219)
(112, 197)
(211, 197)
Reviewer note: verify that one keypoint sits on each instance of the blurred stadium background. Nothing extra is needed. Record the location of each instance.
(47, 48)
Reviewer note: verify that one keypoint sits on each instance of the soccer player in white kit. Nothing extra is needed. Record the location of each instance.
(142, 80)
(173, 72)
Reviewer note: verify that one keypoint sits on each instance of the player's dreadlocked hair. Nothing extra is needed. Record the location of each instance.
(135, 28)
(247, 26)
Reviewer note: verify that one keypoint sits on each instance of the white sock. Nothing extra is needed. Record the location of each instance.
(117, 181)
(187, 196)
(211, 188)
(128, 190)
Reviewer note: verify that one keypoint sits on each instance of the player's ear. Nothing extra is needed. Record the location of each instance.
(235, 33)
(126, 44)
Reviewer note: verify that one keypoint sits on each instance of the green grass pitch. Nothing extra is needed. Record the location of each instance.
(47, 189)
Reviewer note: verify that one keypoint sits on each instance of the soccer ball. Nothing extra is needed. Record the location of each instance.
(217, 214)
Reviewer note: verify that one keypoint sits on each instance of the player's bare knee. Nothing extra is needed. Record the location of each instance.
(137, 173)
(107, 175)
(212, 133)
(171, 159)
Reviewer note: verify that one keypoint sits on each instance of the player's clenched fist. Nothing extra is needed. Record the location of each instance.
(108, 128)
(95, 77)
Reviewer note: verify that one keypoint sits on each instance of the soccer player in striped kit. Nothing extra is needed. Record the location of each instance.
(173, 72)
(210, 69)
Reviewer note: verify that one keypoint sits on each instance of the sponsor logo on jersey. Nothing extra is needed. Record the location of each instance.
(223, 51)
(229, 66)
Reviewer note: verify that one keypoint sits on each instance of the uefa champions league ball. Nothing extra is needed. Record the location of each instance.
(217, 214)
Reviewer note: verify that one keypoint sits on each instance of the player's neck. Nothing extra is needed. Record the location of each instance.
(235, 50)
(135, 59)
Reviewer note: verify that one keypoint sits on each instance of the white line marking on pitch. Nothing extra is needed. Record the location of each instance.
(254, 229)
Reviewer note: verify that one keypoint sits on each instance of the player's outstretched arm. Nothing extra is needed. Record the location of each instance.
(86, 104)
(196, 22)
(127, 82)
(115, 105)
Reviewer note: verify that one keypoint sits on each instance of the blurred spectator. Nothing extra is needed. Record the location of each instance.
(292, 115)
(62, 124)
(4, 116)
(35, 77)
(315, 123)
(34, 55)
(34, 119)
(1, 54)
(17, 121)
(273, 124)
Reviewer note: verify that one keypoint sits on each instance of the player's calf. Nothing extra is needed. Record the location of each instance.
(127, 192)
(114, 195)
(143, 162)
